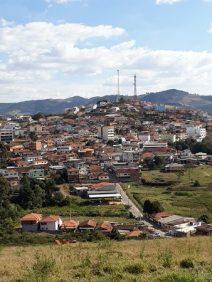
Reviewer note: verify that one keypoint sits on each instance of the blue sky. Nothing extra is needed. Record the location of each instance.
(61, 48)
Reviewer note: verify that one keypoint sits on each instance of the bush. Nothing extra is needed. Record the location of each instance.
(135, 268)
(41, 270)
(196, 183)
(166, 258)
(187, 263)
(204, 218)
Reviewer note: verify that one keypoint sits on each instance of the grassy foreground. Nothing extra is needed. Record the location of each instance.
(156, 260)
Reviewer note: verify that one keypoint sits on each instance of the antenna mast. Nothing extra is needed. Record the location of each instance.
(135, 86)
(118, 85)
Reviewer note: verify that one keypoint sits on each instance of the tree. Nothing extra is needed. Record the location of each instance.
(152, 207)
(8, 217)
(4, 155)
(26, 194)
(204, 218)
(38, 197)
(4, 193)
(149, 163)
(159, 161)
(50, 189)
(147, 206)
(157, 207)
(196, 183)
(38, 116)
(58, 198)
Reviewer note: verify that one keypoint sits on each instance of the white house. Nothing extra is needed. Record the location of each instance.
(187, 227)
(9, 172)
(51, 223)
(64, 149)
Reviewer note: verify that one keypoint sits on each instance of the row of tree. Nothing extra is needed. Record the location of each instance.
(205, 146)
(36, 194)
(32, 194)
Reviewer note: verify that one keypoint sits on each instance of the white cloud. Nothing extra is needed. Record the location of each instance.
(158, 2)
(61, 1)
(43, 60)
(210, 28)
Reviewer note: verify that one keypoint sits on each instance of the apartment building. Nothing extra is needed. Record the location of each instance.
(106, 132)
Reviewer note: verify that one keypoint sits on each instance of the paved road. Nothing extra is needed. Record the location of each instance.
(126, 201)
(135, 211)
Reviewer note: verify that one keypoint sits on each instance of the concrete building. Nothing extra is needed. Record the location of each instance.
(106, 132)
(196, 132)
(37, 173)
(6, 135)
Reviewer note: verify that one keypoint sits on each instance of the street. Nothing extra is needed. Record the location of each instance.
(135, 211)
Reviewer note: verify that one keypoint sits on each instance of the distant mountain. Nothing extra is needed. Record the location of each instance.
(48, 106)
(180, 98)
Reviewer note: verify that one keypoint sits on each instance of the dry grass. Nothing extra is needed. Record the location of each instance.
(156, 260)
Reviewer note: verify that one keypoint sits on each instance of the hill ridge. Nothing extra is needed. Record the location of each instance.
(49, 106)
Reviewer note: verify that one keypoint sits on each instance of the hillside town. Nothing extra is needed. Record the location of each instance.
(96, 152)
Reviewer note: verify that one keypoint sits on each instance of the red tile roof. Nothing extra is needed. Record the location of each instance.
(70, 224)
(51, 218)
(32, 217)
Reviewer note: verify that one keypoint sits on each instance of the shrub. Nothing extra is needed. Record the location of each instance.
(204, 218)
(135, 268)
(186, 263)
(43, 267)
(152, 268)
(196, 183)
(166, 258)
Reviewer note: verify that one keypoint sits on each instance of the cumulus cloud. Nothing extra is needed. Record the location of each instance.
(46, 60)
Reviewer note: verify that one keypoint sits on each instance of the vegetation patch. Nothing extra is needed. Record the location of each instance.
(187, 263)
(134, 268)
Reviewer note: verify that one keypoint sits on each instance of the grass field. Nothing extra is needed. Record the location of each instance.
(81, 209)
(181, 197)
(157, 260)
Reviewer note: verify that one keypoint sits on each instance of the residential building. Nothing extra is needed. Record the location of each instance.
(30, 222)
(51, 223)
(106, 133)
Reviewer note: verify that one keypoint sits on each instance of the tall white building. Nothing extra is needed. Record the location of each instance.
(106, 132)
(196, 132)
